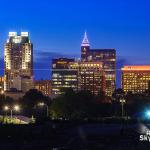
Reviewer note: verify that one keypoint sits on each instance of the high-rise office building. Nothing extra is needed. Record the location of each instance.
(63, 76)
(108, 59)
(92, 77)
(135, 78)
(68, 73)
(18, 58)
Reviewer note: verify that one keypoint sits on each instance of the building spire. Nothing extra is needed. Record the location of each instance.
(85, 41)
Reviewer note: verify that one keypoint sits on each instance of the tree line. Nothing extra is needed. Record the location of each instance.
(79, 105)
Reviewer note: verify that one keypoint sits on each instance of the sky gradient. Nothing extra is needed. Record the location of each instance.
(56, 28)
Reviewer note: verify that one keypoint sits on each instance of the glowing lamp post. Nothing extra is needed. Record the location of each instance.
(42, 104)
(2, 92)
(6, 108)
(15, 108)
(122, 101)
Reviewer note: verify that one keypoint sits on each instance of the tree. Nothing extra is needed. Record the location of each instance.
(140, 103)
(73, 105)
(31, 99)
(6, 101)
(129, 97)
(117, 95)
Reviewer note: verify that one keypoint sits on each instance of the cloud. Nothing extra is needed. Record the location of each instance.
(134, 60)
(48, 56)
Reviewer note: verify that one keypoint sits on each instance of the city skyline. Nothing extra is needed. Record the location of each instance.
(75, 74)
(46, 73)
(57, 29)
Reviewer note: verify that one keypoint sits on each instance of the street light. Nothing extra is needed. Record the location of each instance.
(42, 104)
(2, 92)
(6, 108)
(147, 114)
(15, 108)
(122, 101)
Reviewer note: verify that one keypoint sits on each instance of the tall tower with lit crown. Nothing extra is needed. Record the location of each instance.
(18, 60)
(105, 56)
(85, 47)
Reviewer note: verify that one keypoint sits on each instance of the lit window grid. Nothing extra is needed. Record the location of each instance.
(137, 82)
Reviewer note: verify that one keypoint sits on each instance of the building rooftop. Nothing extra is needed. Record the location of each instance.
(16, 38)
(136, 68)
(105, 50)
(85, 41)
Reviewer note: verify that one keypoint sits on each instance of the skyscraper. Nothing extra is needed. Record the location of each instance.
(18, 59)
(108, 59)
(91, 77)
(135, 78)
(63, 76)
(85, 48)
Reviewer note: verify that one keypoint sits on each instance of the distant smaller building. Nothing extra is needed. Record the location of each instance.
(23, 83)
(26, 83)
(13, 93)
(44, 86)
(135, 78)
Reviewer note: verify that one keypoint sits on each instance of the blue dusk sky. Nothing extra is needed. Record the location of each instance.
(56, 28)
